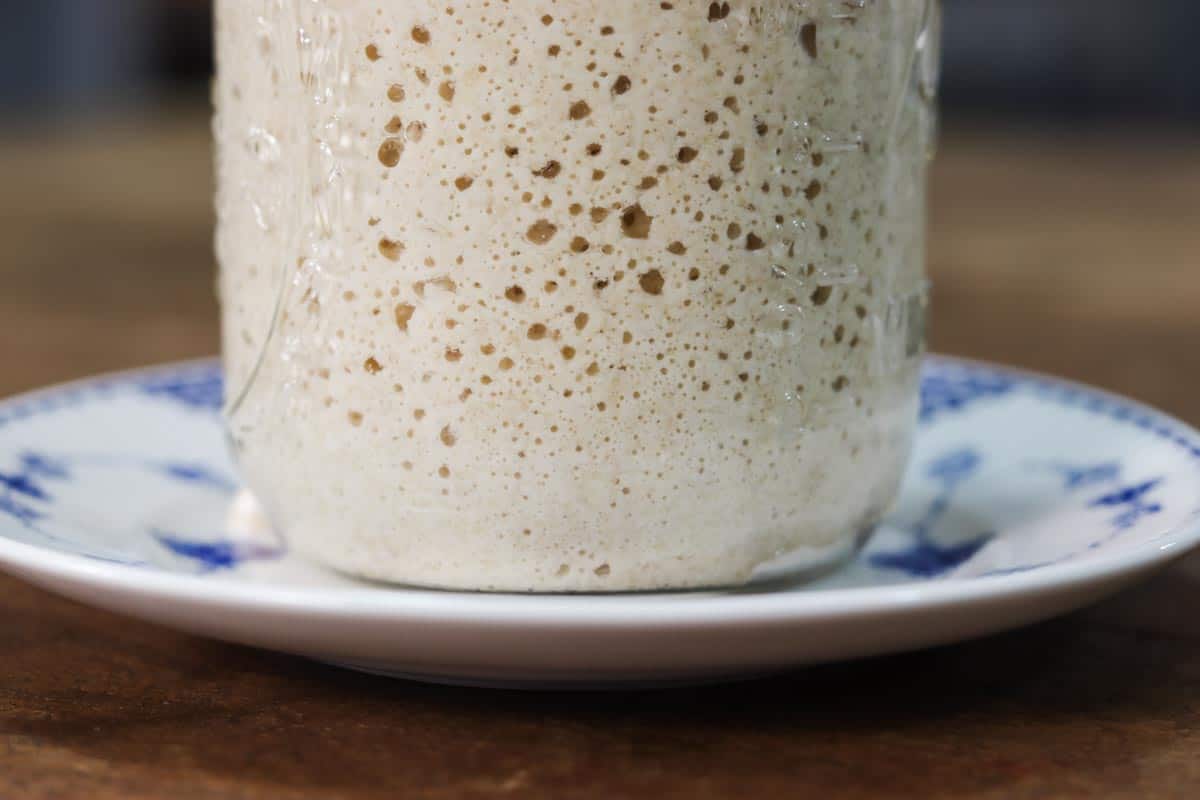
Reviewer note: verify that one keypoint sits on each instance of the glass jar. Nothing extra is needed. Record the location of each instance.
(572, 296)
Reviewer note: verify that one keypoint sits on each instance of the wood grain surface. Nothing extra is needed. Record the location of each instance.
(1071, 254)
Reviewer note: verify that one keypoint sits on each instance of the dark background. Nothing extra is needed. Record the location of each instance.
(1052, 61)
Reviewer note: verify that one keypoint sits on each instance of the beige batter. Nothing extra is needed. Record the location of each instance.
(534, 295)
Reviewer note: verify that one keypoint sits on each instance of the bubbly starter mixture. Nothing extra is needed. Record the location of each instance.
(560, 295)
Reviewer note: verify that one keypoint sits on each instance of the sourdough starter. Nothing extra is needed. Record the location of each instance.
(571, 296)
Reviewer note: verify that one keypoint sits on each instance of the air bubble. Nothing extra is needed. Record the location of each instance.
(404, 314)
(651, 282)
(808, 38)
(390, 152)
(635, 222)
(541, 231)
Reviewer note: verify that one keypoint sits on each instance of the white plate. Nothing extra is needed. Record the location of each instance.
(1027, 497)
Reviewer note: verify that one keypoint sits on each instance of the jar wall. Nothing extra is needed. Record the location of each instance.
(544, 299)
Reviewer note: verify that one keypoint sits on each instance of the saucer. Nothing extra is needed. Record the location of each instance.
(1027, 497)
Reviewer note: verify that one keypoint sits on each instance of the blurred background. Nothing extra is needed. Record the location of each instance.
(1065, 198)
(1057, 61)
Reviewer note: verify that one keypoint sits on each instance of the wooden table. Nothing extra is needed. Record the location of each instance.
(1075, 256)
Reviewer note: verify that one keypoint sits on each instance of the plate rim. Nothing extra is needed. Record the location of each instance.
(598, 611)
